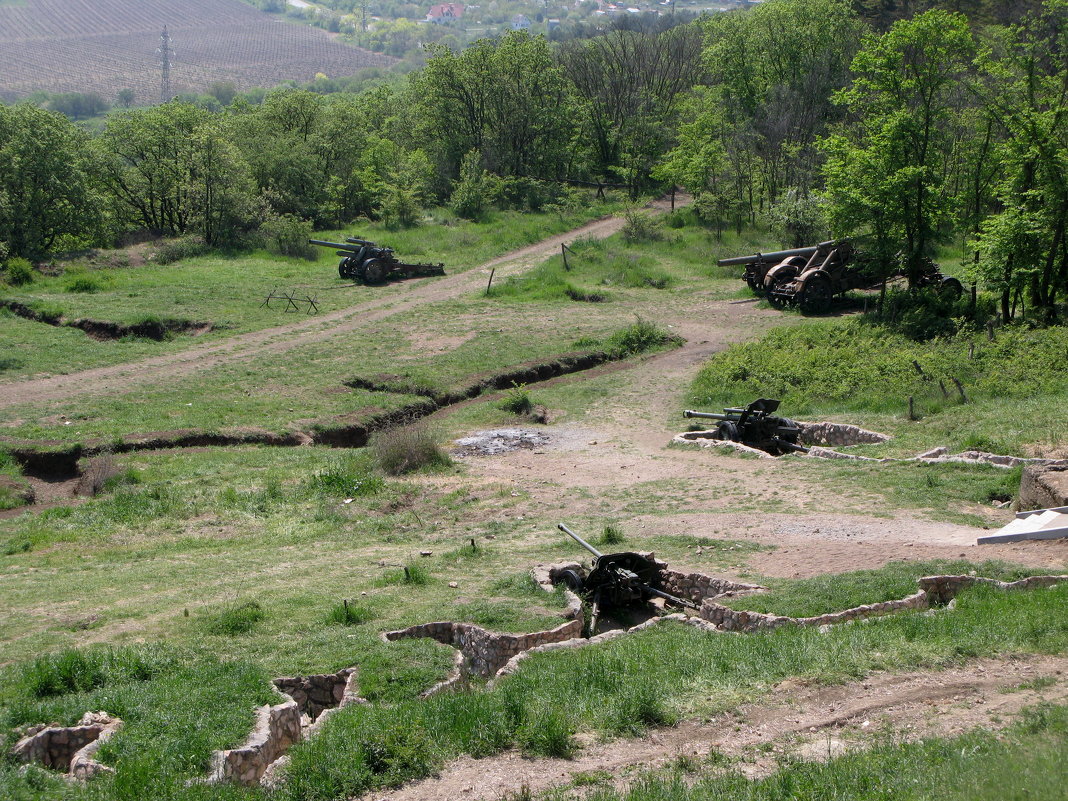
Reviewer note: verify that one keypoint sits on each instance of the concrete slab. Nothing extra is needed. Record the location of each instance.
(1038, 524)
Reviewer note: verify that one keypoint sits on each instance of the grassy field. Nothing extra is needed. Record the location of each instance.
(196, 575)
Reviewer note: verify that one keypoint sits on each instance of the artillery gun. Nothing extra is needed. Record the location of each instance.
(757, 426)
(810, 277)
(616, 580)
(365, 261)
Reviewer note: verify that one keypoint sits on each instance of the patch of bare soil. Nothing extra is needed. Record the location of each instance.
(379, 305)
(809, 722)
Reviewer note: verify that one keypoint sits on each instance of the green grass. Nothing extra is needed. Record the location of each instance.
(650, 679)
(1027, 762)
(834, 592)
(227, 290)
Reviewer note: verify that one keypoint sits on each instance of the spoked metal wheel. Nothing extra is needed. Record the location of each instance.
(374, 271)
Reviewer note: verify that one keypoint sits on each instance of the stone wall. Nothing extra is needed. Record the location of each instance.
(71, 749)
(729, 619)
(838, 435)
(698, 587)
(277, 728)
(1043, 487)
(315, 694)
(943, 589)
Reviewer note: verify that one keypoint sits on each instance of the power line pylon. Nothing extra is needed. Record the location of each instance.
(165, 53)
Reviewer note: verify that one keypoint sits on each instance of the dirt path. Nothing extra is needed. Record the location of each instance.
(381, 304)
(806, 722)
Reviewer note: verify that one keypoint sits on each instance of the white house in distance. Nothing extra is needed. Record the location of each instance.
(520, 23)
(445, 12)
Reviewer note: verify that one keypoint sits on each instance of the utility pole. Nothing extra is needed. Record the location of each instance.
(165, 52)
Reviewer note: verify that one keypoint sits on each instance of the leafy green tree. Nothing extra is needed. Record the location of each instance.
(505, 99)
(1024, 84)
(474, 190)
(887, 172)
(47, 181)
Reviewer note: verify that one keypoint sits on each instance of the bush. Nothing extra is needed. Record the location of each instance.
(185, 247)
(288, 235)
(18, 272)
(407, 448)
(640, 337)
(83, 284)
(612, 535)
(346, 614)
(517, 401)
(640, 227)
(344, 478)
(400, 209)
(236, 619)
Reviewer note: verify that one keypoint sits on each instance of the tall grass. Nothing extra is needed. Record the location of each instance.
(852, 366)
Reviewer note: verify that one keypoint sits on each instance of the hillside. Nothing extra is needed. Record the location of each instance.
(104, 46)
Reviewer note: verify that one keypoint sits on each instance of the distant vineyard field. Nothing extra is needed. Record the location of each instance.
(105, 46)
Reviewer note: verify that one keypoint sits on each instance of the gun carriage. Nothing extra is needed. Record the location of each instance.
(370, 263)
(756, 425)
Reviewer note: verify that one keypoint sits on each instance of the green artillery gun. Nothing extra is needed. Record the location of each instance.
(757, 426)
(616, 580)
(365, 261)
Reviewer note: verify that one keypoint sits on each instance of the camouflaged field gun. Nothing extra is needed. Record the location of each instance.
(365, 261)
(616, 580)
(757, 426)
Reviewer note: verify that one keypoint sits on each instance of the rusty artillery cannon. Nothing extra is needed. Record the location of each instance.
(371, 263)
(616, 580)
(811, 277)
(756, 426)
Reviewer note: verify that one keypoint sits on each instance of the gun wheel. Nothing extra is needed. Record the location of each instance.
(816, 296)
(344, 269)
(374, 271)
(572, 579)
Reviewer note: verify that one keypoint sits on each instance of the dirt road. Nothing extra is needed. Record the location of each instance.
(802, 722)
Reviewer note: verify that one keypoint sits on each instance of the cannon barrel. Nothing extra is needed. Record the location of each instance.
(777, 255)
(356, 241)
(337, 245)
(579, 540)
(708, 415)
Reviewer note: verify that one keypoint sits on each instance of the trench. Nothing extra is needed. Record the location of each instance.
(53, 462)
(154, 329)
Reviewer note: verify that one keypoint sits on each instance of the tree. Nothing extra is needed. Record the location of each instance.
(631, 84)
(1024, 247)
(887, 172)
(47, 183)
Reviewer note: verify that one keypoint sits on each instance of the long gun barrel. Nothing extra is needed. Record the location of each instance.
(579, 540)
(708, 415)
(356, 241)
(336, 245)
(777, 255)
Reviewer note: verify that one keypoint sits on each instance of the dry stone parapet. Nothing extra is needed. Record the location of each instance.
(71, 749)
(277, 728)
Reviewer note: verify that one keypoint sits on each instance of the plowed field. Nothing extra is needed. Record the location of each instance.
(104, 46)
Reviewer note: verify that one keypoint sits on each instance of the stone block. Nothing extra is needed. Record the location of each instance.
(1043, 487)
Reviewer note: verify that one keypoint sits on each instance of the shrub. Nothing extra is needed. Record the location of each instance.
(346, 614)
(640, 227)
(288, 235)
(101, 473)
(185, 247)
(72, 670)
(517, 401)
(400, 209)
(407, 448)
(236, 619)
(347, 479)
(83, 284)
(612, 536)
(18, 272)
(640, 337)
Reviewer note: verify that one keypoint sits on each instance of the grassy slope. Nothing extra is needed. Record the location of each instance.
(227, 291)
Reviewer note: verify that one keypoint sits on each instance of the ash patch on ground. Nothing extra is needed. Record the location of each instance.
(499, 440)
